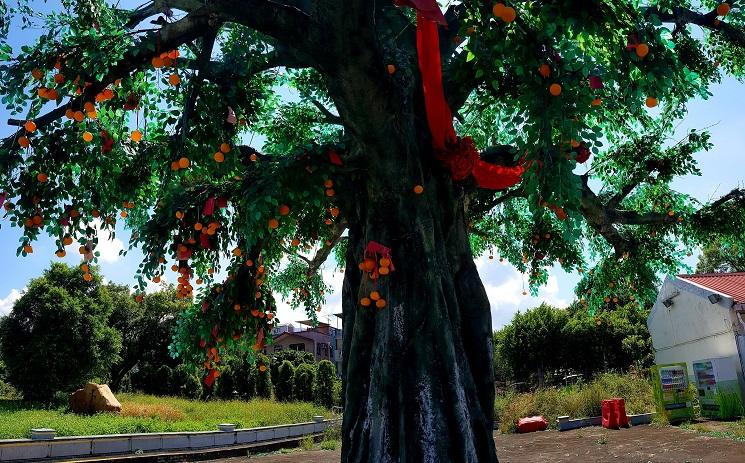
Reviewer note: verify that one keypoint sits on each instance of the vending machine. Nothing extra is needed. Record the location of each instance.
(717, 387)
(671, 393)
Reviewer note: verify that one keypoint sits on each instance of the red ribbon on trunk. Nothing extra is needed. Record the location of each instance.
(459, 155)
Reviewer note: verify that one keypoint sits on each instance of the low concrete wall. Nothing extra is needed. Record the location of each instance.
(122, 444)
(565, 424)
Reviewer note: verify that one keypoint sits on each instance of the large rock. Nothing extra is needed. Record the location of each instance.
(94, 398)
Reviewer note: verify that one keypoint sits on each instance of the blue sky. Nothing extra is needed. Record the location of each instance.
(722, 170)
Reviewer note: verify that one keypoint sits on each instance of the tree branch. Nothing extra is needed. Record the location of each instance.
(170, 36)
(325, 251)
(329, 117)
(680, 15)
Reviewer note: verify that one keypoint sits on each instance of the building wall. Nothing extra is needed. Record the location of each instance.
(692, 328)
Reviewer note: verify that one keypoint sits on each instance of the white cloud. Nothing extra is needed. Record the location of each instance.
(6, 304)
(107, 247)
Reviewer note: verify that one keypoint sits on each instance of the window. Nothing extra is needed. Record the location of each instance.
(298, 347)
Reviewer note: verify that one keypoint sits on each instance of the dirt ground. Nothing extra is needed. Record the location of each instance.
(643, 444)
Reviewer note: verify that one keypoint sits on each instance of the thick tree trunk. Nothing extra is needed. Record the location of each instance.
(418, 377)
(418, 380)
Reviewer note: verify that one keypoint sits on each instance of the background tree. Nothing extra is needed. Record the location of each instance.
(539, 86)
(720, 257)
(285, 383)
(146, 329)
(323, 388)
(56, 337)
(305, 378)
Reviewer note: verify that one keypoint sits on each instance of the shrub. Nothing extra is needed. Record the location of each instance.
(337, 396)
(56, 337)
(283, 389)
(324, 387)
(305, 377)
(186, 382)
(263, 378)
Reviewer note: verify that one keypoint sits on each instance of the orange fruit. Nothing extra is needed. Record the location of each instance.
(95, 213)
(37, 74)
(175, 166)
(219, 157)
(69, 113)
(365, 302)
(87, 277)
(179, 215)
(330, 192)
(328, 221)
(157, 62)
(249, 263)
(42, 177)
(24, 142)
(174, 79)
(78, 116)
(253, 157)
(498, 10)
(89, 107)
(59, 78)
(470, 30)
(642, 50)
(334, 212)
(37, 220)
(67, 240)
(92, 115)
(651, 102)
(380, 303)
(418, 189)
(273, 223)
(262, 368)
(87, 137)
(85, 268)
(544, 70)
(225, 148)
(555, 89)
(237, 252)
(509, 14)
(385, 262)
(61, 253)
(183, 162)
(295, 242)
(30, 126)
(723, 9)
(596, 102)
(368, 265)
(123, 214)
(198, 226)
(384, 270)
(374, 295)
(284, 209)
(391, 68)
(156, 279)
(136, 136)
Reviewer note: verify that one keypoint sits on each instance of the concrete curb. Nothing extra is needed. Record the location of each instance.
(565, 424)
(139, 444)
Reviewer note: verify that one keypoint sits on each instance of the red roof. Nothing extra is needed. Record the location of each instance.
(730, 284)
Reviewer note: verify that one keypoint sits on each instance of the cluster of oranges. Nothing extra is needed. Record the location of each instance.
(219, 156)
(373, 269)
(167, 59)
(329, 185)
(87, 276)
(374, 297)
(505, 13)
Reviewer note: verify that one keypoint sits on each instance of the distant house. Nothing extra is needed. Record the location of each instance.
(700, 316)
(322, 340)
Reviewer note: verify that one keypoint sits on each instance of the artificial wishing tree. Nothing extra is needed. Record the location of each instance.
(145, 117)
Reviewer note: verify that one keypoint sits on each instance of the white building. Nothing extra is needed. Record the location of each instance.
(700, 317)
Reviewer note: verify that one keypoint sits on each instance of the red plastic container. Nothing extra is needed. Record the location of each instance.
(614, 413)
(531, 424)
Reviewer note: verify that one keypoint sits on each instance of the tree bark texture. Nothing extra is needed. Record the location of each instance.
(417, 373)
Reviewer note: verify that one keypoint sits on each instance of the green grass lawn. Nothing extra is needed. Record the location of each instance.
(144, 413)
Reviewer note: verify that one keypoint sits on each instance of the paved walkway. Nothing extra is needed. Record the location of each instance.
(642, 444)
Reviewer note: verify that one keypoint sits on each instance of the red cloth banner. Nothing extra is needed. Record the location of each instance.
(459, 155)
